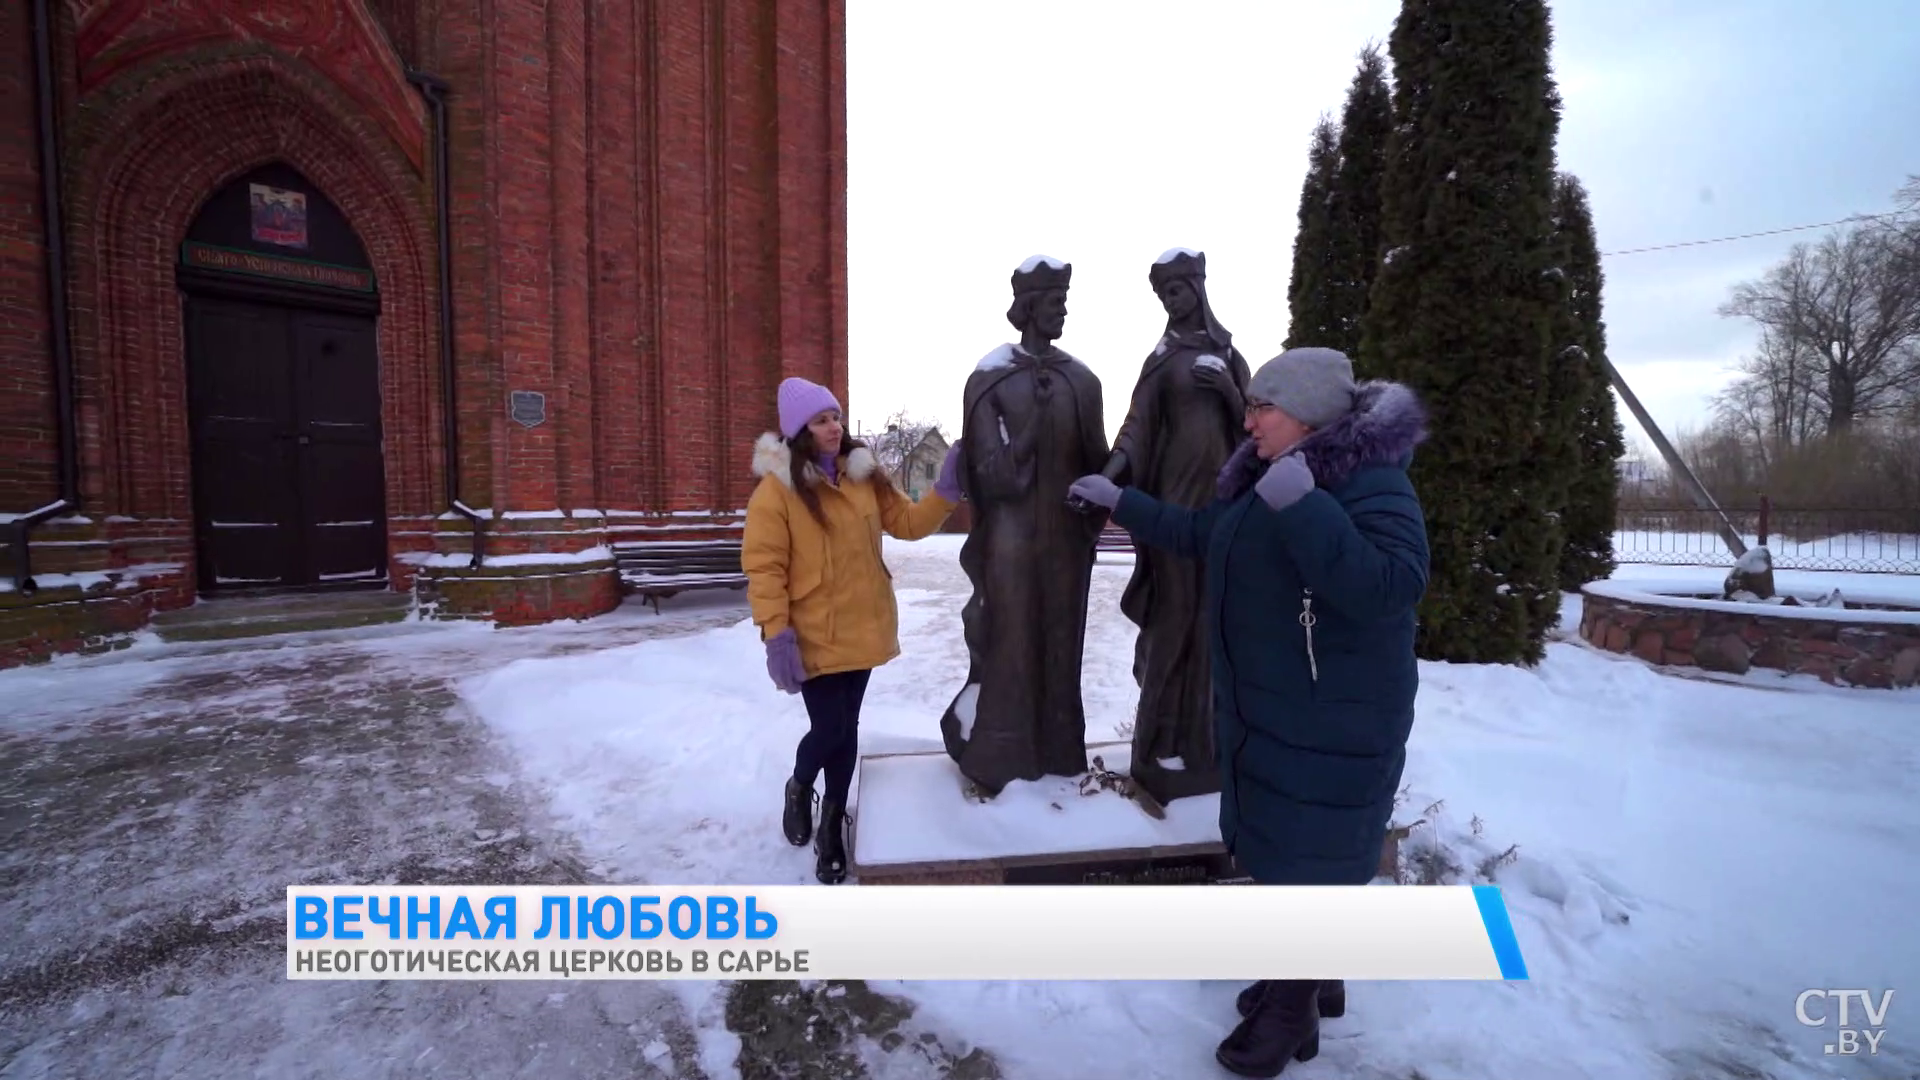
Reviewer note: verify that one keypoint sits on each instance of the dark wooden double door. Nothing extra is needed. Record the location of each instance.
(288, 474)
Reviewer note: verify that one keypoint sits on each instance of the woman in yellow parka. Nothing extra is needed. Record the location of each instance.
(821, 594)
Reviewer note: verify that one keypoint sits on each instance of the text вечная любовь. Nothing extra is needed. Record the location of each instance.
(603, 918)
(347, 932)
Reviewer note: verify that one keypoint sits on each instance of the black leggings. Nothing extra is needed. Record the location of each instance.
(833, 743)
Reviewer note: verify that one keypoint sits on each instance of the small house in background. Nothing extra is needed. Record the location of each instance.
(919, 465)
(912, 454)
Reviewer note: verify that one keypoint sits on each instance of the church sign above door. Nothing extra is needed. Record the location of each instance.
(275, 267)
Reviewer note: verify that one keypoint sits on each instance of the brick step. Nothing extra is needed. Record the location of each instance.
(228, 618)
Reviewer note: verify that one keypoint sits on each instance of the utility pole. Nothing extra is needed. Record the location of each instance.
(1687, 480)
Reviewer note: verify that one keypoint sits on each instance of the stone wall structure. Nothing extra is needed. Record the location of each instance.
(1867, 646)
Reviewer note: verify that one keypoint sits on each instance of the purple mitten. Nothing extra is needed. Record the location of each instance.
(783, 661)
(948, 486)
(1285, 482)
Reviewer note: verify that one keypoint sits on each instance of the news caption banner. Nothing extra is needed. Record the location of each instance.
(930, 932)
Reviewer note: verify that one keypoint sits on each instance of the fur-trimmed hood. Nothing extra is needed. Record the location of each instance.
(1386, 423)
(772, 457)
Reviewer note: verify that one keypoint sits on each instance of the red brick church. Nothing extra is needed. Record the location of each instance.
(338, 294)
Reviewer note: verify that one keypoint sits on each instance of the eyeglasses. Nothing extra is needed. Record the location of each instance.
(1255, 408)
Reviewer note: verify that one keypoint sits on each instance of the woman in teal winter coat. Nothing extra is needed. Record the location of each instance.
(1316, 559)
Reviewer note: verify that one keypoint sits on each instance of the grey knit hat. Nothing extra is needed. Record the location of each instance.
(1312, 385)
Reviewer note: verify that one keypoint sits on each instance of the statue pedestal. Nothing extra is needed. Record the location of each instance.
(915, 824)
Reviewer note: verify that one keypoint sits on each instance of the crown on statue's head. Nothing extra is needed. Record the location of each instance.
(1177, 263)
(1041, 273)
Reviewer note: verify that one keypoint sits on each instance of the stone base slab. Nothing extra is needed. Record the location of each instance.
(915, 823)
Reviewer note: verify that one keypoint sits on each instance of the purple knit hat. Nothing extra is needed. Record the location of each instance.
(801, 401)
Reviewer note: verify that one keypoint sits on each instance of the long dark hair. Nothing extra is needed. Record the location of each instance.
(803, 451)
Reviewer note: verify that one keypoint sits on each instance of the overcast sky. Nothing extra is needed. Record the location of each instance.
(1103, 133)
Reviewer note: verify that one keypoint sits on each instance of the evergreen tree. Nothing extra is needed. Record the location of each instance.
(1308, 296)
(1555, 456)
(1592, 496)
(1463, 311)
(1366, 123)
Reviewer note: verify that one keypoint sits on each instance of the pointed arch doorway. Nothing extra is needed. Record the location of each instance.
(283, 375)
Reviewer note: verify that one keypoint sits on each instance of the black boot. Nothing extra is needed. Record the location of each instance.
(830, 844)
(1250, 997)
(797, 820)
(1333, 998)
(1284, 1027)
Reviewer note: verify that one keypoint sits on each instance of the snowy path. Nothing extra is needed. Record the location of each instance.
(155, 805)
(1690, 855)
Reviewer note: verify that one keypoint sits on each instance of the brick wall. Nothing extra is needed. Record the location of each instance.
(27, 476)
(649, 228)
(516, 596)
(677, 249)
(96, 614)
(399, 21)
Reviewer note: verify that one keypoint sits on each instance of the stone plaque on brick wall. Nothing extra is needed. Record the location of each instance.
(528, 408)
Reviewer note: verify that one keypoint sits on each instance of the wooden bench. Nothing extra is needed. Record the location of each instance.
(1114, 540)
(657, 569)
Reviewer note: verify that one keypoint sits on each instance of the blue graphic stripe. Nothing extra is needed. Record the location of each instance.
(1506, 947)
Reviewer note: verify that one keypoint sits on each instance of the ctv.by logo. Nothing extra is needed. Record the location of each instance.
(1850, 1037)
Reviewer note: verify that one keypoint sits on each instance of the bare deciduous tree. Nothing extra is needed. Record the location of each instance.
(1906, 231)
(1850, 306)
(1826, 410)
(1773, 402)
(897, 439)
(1908, 199)
(1744, 411)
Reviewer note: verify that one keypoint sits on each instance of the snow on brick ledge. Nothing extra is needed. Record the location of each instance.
(1845, 647)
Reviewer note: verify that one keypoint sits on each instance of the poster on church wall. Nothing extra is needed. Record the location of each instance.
(279, 216)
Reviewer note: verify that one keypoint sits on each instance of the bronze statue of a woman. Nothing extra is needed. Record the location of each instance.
(1186, 416)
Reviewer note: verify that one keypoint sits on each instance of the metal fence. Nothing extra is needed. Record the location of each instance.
(1859, 541)
(1882, 541)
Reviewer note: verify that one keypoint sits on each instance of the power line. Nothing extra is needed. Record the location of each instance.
(1750, 236)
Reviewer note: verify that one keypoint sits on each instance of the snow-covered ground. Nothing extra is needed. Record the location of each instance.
(1683, 857)
(1686, 856)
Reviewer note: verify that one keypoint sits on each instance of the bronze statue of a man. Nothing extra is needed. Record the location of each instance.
(1186, 416)
(1031, 423)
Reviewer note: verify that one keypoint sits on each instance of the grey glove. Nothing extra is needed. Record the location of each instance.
(1097, 490)
(1285, 482)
